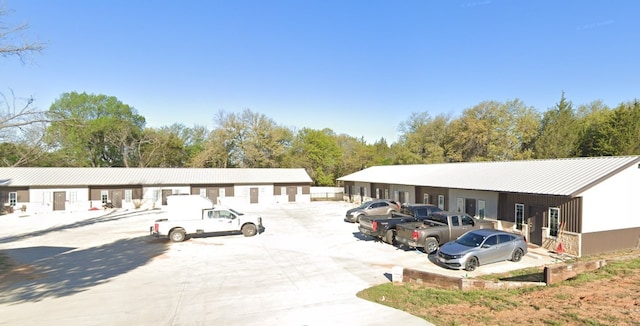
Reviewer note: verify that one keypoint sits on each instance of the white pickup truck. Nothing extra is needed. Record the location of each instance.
(193, 214)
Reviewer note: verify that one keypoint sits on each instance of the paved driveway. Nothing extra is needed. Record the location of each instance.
(89, 268)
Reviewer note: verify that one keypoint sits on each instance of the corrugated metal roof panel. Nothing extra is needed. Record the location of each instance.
(554, 177)
(47, 177)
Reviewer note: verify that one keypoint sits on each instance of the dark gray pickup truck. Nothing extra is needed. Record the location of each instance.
(439, 228)
(384, 227)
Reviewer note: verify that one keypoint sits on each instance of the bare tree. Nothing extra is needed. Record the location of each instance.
(12, 41)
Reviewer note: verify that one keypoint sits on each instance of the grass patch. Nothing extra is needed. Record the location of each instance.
(554, 306)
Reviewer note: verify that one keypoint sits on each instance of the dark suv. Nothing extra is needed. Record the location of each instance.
(384, 227)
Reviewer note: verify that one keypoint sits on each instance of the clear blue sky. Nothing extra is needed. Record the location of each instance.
(357, 67)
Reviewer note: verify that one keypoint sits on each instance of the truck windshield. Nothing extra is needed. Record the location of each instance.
(236, 212)
(470, 239)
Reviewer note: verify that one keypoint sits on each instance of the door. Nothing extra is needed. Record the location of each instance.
(59, 199)
(220, 221)
(212, 194)
(470, 206)
(291, 193)
(116, 198)
(253, 195)
(490, 251)
(165, 193)
(536, 216)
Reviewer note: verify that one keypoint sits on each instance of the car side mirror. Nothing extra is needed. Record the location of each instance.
(485, 246)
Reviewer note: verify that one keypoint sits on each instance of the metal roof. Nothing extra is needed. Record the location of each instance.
(58, 177)
(565, 177)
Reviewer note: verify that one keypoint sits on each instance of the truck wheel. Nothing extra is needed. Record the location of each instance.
(517, 255)
(430, 245)
(471, 264)
(177, 235)
(249, 230)
(390, 237)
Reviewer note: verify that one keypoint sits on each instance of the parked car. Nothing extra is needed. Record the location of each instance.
(372, 207)
(482, 246)
(384, 227)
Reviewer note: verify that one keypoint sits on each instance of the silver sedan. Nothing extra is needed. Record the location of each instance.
(482, 246)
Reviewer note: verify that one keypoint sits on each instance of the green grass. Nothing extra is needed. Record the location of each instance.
(412, 298)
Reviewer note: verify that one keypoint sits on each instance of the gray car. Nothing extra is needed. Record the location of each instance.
(372, 207)
(482, 246)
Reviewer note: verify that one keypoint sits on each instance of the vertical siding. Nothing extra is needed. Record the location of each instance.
(570, 208)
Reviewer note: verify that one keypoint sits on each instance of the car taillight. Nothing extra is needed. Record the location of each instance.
(374, 225)
(414, 235)
(155, 227)
(525, 239)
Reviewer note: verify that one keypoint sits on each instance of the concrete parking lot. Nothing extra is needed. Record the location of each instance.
(102, 268)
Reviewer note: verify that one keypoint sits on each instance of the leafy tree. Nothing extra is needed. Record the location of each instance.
(559, 135)
(246, 140)
(493, 131)
(423, 139)
(318, 152)
(614, 132)
(94, 130)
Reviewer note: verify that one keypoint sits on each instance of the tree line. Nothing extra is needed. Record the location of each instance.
(95, 130)
(89, 130)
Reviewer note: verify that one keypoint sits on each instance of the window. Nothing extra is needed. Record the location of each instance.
(73, 196)
(13, 198)
(299, 190)
(104, 196)
(491, 241)
(378, 193)
(519, 216)
(221, 192)
(481, 209)
(156, 195)
(203, 192)
(504, 238)
(459, 204)
(466, 220)
(386, 194)
(396, 196)
(441, 201)
(554, 221)
(455, 220)
(425, 199)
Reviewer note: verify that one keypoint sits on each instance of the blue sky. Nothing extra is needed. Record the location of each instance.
(357, 67)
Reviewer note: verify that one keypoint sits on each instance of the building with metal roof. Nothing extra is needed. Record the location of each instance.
(577, 205)
(40, 189)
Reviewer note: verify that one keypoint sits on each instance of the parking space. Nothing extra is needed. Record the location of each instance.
(304, 269)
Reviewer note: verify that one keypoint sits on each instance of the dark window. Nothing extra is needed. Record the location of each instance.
(455, 220)
(492, 240)
(502, 238)
(466, 220)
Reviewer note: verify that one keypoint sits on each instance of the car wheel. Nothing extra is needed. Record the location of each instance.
(517, 255)
(249, 230)
(390, 237)
(430, 245)
(471, 264)
(358, 218)
(177, 235)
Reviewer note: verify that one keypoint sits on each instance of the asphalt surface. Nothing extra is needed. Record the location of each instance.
(102, 268)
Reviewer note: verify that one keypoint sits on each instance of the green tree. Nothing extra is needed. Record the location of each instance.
(493, 131)
(318, 152)
(614, 132)
(422, 139)
(246, 140)
(559, 135)
(94, 130)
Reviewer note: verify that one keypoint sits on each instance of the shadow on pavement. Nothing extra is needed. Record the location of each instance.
(63, 271)
(109, 217)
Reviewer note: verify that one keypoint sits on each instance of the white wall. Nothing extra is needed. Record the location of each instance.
(490, 198)
(403, 188)
(41, 200)
(610, 205)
